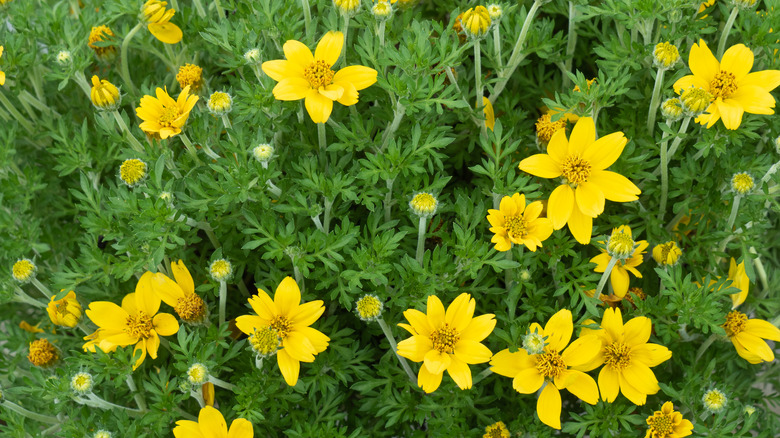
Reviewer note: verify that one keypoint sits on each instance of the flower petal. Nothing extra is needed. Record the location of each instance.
(637, 331)
(634, 395)
(140, 351)
(165, 324)
(619, 280)
(306, 314)
(460, 373)
(436, 362)
(299, 347)
(549, 406)
(754, 99)
(318, 106)
(359, 76)
(688, 82)
(107, 315)
(590, 199)
(183, 277)
(583, 386)
(558, 330)
(263, 305)
(650, 354)
(583, 350)
(509, 364)
(287, 296)
(479, 328)
(435, 312)
(415, 348)
(762, 329)
(641, 378)
(616, 187)
(291, 89)
(187, 429)
(766, 79)
(241, 428)
(560, 206)
(316, 337)
(145, 299)
(612, 323)
(558, 147)
(329, 47)
(603, 152)
(350, 94)
(281, 68)
(609, 384)
(731, 112)
(332, 91)
(297, 53)
(702, 62)
(460, 312)
(580, 225)
(541, 165)
(168, 33)
(472, 352)
(248, 323)
(738, 59)
(289, 367)
(428, 381)
(582, 136)
(528, 381)
(168, 290)
(419, 322)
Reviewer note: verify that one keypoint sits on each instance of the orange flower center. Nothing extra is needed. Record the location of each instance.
(617, 355)
(444, 339)
(282, 325)
(169, 114)
(735, 323)
(190, 308)
(550, 364)
(516, 226)
(42, 353)
(660, 425)
(575, 169)
(724, 84)
(319, 74)
(139, 326)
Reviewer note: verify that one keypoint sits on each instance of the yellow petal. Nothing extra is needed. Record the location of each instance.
(183, 277)
(350, 94)
(414, 348)
(731, 113)
(688, 82)
(702, 63)
(281, 68)
(582, 136)
(187, 429)
(165, 324)
(329, 47)
(167, 33)
(287, 296)
(509, 364)
(460, 373)
(603, 152)
(754, 99)
(288, 366)
(128, 304)
(140, 351)
(435, 312)
(637, 331)
(549, 406)
(145, 299)
(560, 206)
(318, 106)
(609, 384)
(490, 116)
(436, 362)
(428, 381)
(580, 225)
(306, 314)
(460, 312)
(541, 165)
(738, 60)
(316, 337)
(641, 378)
(291, 89)
(619, 280)
(419, 322)
(616, 187)
(612, 323)
(359, 76)
(166, 289)
(152, 344)
(241, 428)
(590, 199)
(766, 79)
(297, 53)
(741, 351)
(762, 329)
(248, 323)
(558, 147)
(533, 210)
(507, 206)
(583, 387)
(634, 395)
(212, 423)
(479, 328)
(558, 330)
(332, 91)
(650, 354)
(299, 347)
(472, 352)
(107, 315)
(528, 381)
(583, 350)
(2, 78)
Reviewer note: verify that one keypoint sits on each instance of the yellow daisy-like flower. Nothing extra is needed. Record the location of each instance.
(104, 95)
(310, 77)
(65, 312)
(135, 323)
(2, 73)
(446, 341)
(734, 88)
(490, 116)
(43, 353)
(211, 424)
(158, 17)
(291, 320)
(497, 430)
(180, 294)
(668, 423)
(581, 161)
(748, 336)
(164, 117)
(99, 34)
(517, 223)
(618, 277)
(556, 365)
(627, 357)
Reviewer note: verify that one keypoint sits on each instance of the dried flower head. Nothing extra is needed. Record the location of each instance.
(102, 33)
(43, 353)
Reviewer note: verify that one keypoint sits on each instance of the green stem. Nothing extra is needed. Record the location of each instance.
(43, 289)
(81, 80)
(655, 101)
(571, 42)
(222, 301)
(421, 239)
(398, 115)
(16, 114)
(675, 144)
(123, 50)
(704, 347)
(508, 272)
(199, 8)
(604, 277)
(97, 402)
(307, 19)
(381, 33)
(226, 122)
(515, 57)
(22, 297)
(134, 143)
(326, 215)
(30, 414)
(664, 176)
(394, 346)
(733, 215)
(190, 148)
(222, 384)
(139, 398)
(724, 35)
(478, 79)
(389, 199)
(345, 31)
(220, 11)
(298, 277)
(497, 47)
(323, 143)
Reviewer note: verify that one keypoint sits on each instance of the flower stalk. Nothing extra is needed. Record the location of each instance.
(139, 398)
(16, 114)
(655, 100)
(571, 42)
(421, 239)
(516, 56)
(134, 143)
(307, 19)
(664, 172)
(398, 114)
(389, 199)
(222, 301)
(48, 419)
(724, 36)
(125, 72)
(394, 347)
(478, 77)
(733, 215)
(604, 277)
(191, 148)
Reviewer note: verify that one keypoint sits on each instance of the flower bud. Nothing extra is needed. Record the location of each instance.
(742, 183)
(545, 128)
(369, 307)
(65, 312)
(497, 430)
(533, 343)
(252, 56)
(221, 270)
(101, 34)
(714, 400)
(743, 4)
(133, 172)
(104, 95)
(695, 100)
(43, 353)
(155, 11)
(423, 204)
(81, 383)
(64, 58)
(23, 270)
(197, 374)
(749, 410)
(476, 22)
(672, 109)
(495, 11)
(192, 75)
(665, 55)
(382, 9)
(347, 7)
(220, 103)
(620, 243)
(263, 152)
(667, 254)
(102, 433)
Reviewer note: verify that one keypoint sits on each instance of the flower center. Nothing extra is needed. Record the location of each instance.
(660, 425)
(735, 323)
(617, 355)
(139, 326)
(444, 339)
(516, 226)
(545, 127)
(724, 84)
(318, 73)
(191, 308)
(169, 114)
(132, 171)
(550, 364)
(575, 169)
(282, 325)
(265, 341)
(42, 353)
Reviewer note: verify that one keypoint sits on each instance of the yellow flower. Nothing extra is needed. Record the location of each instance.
(627, 357)
(135, 323)
(476, 21)
(291, 320)
(446, 341)
(423, 204)
(158, 18)
(619, 276)
(742, 183)
(65, 312)
(347, 7)
(164, 117)
(43, 353)
(667, 254)
(668, 423)
(734, 88)
(517, 223)
(2, 73)
(306, 76)
(497, 430)
(190, 75)
(581, 161)
(740, 280)
(554, 368)
(490, 116)
(100, 34)
(104, 95)
(211, 424)
(665, 55)
(133, 171)
(369, 307)
(748, 336)
(221, 270)
(180, 294)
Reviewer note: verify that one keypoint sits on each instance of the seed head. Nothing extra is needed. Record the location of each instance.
(23, 270)
(742, 183)
(424, 204)
(220, 103)
(369, 307)
(132, 172)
